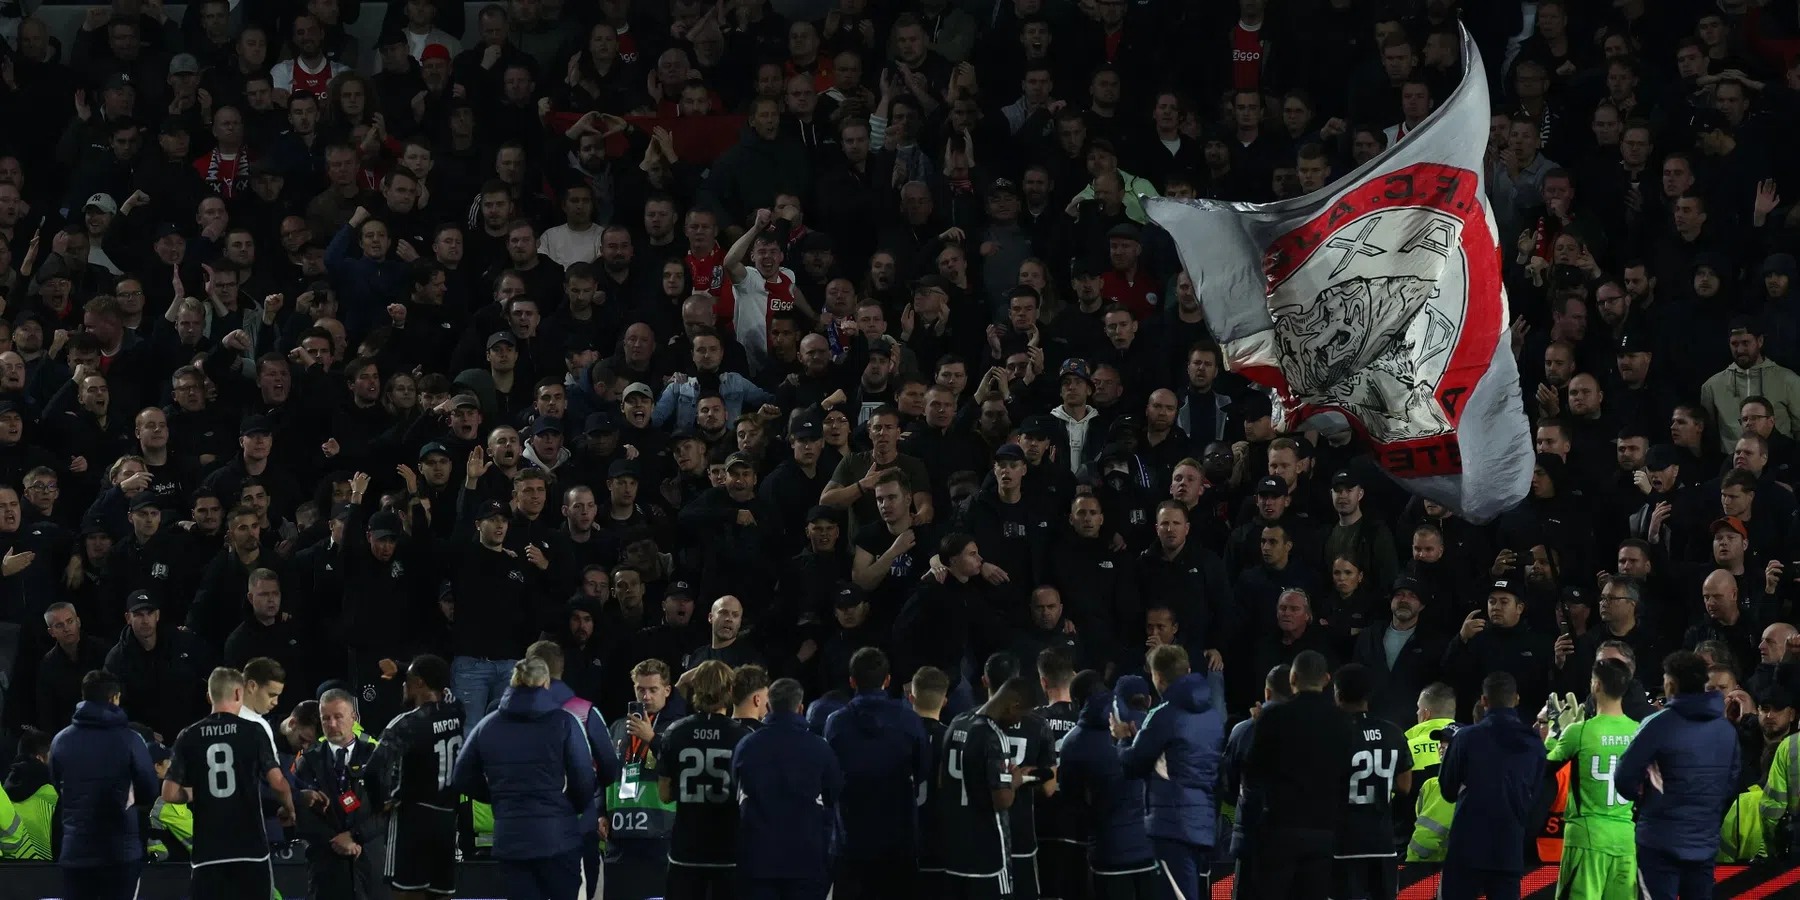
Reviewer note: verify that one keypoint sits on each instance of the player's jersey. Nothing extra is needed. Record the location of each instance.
(417, 756)
(697, 757)
(749, 725)
(1378, 752)
(1058, 815)
(976, 839)
(1597, 818)
(931, 837)
(222, 759)
(1029, 743)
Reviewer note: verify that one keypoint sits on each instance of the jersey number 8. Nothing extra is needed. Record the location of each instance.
(221, 777)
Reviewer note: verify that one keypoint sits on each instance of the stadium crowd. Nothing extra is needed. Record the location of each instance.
(714, 449)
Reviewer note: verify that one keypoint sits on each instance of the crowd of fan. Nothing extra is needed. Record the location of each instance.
(690, 333)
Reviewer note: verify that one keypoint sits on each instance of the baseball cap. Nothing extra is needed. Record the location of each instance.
(502, 337)
(1271, 486)
(1775, 696)
(166, 229)
(389, 37)
(434, 51)
(1038, 426)
(1078, 368)
(1124, 230)
(184, 64)
(543, 424)
(1009, 452)
(1732, 522)
(807, 430)
(849, 595)
(576, 344)
(144, 500)
(1574, 594)
(1661, 457)
(1406, 582)
(464, 401)
(118, 80)
(343, 511)
(385, 525)
(601, 422)
(1634, 342)
(1087, 268)
(622, 468)
(1345, 478)
(264, 168)
(172, 125)
(489, 510)
(1445, 733)
(637, 387)
(931, 283)
(1253, 405)
(821, 511)
(740, 459)
(434, 447)
(255, 425)
(54, 267)
(1002, 186)
(12, 406)
(1506, 586)
(680, 587)
(102, 202)
(93, 523)
(140, 600)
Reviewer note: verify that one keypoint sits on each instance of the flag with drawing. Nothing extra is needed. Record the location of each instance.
(1376, 305)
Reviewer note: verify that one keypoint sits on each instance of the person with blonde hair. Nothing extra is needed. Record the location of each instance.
(696, 777)
(537, 797)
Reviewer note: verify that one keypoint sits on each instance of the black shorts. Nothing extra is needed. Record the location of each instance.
(421, 850)
(1062, 870)
(1024, 872)
(1146, 882)
(233, 881)
(1364, 878)
(700, 882)
(960, 888)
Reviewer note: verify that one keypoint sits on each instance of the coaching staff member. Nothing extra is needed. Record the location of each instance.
(1491, 773)
(101, 770)
(788, 784)
(1300, 755)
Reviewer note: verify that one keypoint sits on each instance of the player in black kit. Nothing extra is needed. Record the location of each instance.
(1029, 743)
(927, 691)
(412, 767)
(1363, 863)
(977, 782)
(695, 767)
(1062, 845)
(214, 769)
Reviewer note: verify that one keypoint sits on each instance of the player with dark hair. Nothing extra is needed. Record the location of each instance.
(1363, 863)
(412, 767)
(1030, 744)
(1599, 857)
(1122, 859)
(1062, 844)
(978, 782)
(214, 768)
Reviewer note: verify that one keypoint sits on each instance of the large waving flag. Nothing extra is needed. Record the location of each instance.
(1377, 305)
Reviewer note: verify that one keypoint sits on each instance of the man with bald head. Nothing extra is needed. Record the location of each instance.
(1778, 660)
(726, 621)
(818, 377)
(1726, 620)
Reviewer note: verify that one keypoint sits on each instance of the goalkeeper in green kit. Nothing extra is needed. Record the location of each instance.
(1599, 857)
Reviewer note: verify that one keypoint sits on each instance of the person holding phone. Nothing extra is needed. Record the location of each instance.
(637, 822)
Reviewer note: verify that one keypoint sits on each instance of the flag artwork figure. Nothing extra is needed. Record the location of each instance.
(1378, 306)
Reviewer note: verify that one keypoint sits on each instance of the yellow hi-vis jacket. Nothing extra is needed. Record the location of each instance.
(1431, 826)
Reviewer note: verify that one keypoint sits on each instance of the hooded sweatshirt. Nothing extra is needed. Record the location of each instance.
(1090, 768)
(1694, 749)
(1177, 752)
(1491, 772)
(100, 768)
(530, 760)
(881, 746)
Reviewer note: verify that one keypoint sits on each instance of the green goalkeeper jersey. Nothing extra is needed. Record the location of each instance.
(1597, 818)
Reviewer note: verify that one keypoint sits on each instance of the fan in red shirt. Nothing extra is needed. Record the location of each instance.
(1127, 282)
(706, 262)
(1247, 46)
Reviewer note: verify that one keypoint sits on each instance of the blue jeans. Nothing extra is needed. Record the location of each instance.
(478, 682)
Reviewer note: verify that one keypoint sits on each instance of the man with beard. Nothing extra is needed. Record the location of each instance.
(737, 535)
(1750, 373)
(149, 558)
(944, 444)
(578, 545)
(218, 605)
(1726, 619)
(676, 633)
(1620, 621)
(1496, 640)
(853, 483)
(1402, 655)
(1097, 586)
(161, 669)
(726, 621)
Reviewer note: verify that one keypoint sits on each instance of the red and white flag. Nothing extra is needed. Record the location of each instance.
(1377, 305)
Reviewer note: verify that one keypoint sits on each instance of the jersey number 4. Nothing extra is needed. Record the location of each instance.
(1371, 771)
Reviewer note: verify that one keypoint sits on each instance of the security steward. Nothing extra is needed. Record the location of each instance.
(339, 819)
